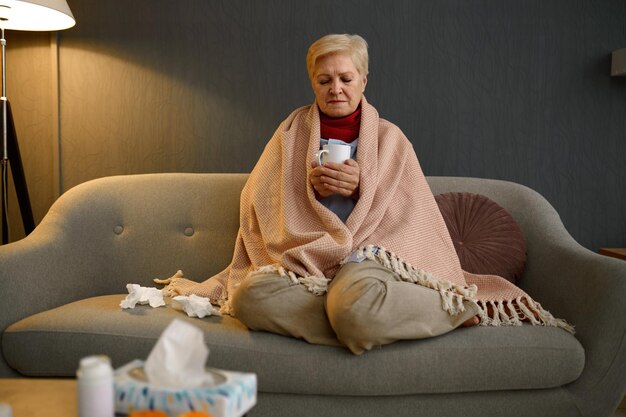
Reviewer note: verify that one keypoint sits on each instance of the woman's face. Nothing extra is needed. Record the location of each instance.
(337, 84)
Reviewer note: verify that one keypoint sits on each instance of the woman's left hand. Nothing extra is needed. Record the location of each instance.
(333, 178)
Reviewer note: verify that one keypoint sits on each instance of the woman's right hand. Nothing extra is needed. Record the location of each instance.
(332, 178)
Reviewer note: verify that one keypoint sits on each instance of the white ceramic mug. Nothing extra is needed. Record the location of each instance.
(333, 153)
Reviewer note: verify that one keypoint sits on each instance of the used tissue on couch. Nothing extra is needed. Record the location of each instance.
(195, 306)
(174, 379)
(142, 295)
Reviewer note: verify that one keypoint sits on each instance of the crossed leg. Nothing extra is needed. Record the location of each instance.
(273, 303)
(366, 306)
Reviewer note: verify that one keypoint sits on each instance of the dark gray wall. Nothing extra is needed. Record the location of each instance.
(507, 89)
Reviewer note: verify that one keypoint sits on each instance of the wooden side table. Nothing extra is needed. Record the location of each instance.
(619, 253)
(40, 397)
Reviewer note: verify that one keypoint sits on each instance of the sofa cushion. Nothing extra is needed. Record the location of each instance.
(469, 359)
(486, 237)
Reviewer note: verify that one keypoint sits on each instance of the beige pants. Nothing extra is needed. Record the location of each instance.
(366, 305)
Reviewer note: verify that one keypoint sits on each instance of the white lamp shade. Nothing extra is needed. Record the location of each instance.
(40, 15)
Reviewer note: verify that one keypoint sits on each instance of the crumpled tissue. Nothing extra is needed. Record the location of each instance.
(194, 306)
(178, 358)
(142, 295)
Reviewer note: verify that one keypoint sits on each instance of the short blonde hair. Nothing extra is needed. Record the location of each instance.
(354, 45)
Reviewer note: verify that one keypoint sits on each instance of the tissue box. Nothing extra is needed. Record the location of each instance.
(232, 395)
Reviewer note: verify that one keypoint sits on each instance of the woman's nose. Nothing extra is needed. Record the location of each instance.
(335, 88)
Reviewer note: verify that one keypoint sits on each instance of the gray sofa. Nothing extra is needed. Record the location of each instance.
(62, 285)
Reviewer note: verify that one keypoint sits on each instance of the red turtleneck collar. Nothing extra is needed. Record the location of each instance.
(345, 128)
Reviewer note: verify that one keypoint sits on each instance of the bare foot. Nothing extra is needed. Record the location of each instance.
(471, 322)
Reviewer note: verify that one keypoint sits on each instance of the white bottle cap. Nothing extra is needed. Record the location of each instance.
(95, 367)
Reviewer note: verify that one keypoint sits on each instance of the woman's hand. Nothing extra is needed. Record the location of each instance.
(333, 178)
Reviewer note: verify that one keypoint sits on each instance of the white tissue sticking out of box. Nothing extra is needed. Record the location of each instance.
(142, 295)
(178, 358)
(194, 306)
(174, 379)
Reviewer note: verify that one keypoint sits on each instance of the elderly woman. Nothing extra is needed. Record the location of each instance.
(353, 253)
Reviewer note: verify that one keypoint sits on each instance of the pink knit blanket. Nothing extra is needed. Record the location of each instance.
(284, 228)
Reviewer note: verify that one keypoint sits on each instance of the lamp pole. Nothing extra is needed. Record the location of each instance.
(5, 153)
(11, 157)
(38, 15)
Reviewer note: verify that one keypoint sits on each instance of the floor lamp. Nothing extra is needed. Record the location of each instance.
(35, 15)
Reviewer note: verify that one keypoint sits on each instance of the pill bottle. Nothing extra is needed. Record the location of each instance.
(95, 387)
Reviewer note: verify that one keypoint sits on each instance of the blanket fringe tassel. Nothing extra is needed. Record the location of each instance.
(316, 285)
(514, 312)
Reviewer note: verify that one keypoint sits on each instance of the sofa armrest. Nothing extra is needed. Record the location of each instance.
(589, 290)
(584, 288)
(39, 272)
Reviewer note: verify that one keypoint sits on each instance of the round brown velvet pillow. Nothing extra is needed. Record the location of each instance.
(486, 238)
